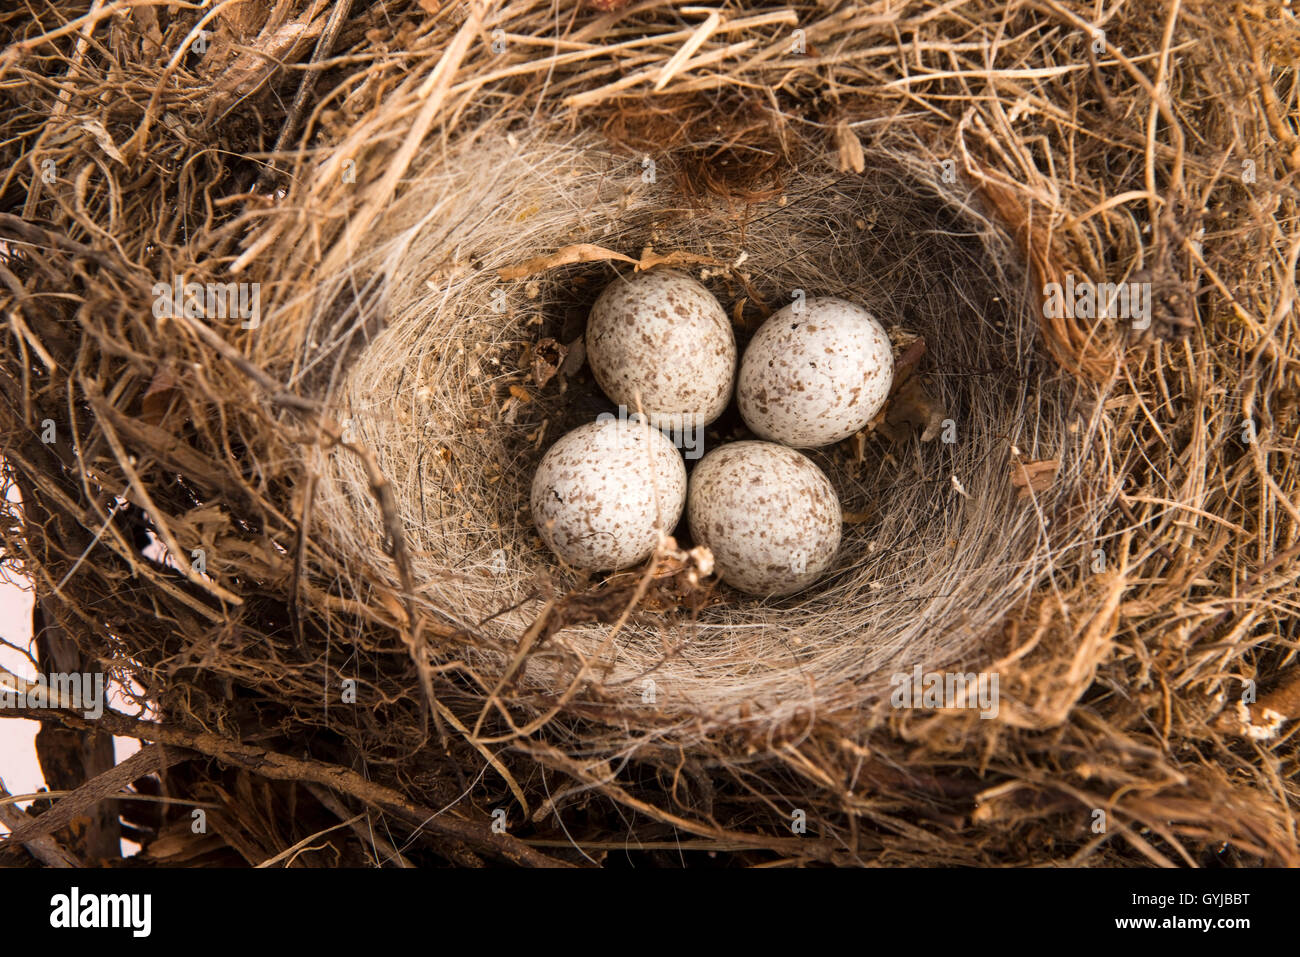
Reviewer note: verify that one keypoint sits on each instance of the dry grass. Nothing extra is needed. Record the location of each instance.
(353, 465)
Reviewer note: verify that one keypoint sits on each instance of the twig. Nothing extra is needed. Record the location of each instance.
(42, 847)
(145, 761)
(282, 767)
(366, 833)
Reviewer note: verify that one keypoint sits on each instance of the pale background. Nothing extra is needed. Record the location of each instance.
(19, 768)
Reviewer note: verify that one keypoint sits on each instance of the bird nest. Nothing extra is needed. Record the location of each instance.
(472, 368)
(293, 518)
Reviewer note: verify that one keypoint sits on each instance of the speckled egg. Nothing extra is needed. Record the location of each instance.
(769, 515)
(602, 492)
(662, 335)
(815, 375)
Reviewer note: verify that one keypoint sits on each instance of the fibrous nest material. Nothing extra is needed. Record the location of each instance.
(1101, 512)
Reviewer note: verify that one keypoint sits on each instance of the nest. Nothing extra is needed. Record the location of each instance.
(1103, 514)
(459, 395)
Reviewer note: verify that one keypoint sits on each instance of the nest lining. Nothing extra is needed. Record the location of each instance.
(442, 397)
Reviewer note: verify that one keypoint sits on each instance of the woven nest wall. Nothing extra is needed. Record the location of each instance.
(1102, 513)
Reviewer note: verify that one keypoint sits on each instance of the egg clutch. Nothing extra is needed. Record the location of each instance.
(660, 344)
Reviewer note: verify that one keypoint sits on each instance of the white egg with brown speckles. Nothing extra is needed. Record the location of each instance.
(815, 373)
(768, 514)
(662, 336)
(603, 492)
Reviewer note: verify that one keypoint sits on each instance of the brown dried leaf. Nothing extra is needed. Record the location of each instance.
(912, 408)
(738, 312)
(650, 259)
(521, 394)
(177, 843)
(589, 252)
(564, 256)
(146, 26)
(157, 398)
(103, 138)
(905, 365)
(393, 606)
(1034, 477)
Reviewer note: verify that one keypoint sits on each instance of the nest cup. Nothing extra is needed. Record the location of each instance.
(938, 542)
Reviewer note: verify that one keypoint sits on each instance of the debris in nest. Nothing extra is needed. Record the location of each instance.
(547, 358)
(238, 68)
(859, 440)
(446, 273)
(738, 312)
(104, 139)
(590, 252)
(913, 348)
(577, 355)
(510, 408)
(650, 259)
(1270, 722)
(157, 399)
(676, 584)
(850, 148)
(1033, 478)
(678, 578)
(564, 256)
(1262, 720)
(703, 559)
(911, 408)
